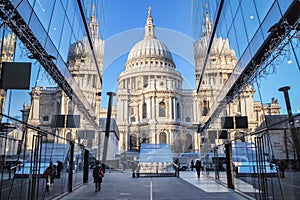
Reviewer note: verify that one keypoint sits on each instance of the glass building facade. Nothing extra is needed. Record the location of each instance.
(264, 36)
(48, 43)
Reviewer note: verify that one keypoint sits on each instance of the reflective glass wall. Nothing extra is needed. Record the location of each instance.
(49, 111)
(247, 64)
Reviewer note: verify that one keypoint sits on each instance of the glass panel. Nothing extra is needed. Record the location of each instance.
(36, 27)
(256, 41)
(245, 59)
(234, 4)
(227, 15)
(77, 29)
(64, 3)
(25, 11)
(44, 9)
(271, 19)
(284, 4)
(51, 50)
(222, 28)
(233, 42)
(263, 8)
(250, 18)
(70, 12)
(240, 31)
(65, 40)
(56, 24)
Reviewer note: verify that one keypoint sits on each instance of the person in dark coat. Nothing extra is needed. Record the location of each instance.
(282, 168)
(97, 178)
(192, 165)
(198, 167)
(134, 167)
(59, 168)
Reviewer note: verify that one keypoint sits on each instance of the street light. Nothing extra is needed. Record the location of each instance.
(291, 120)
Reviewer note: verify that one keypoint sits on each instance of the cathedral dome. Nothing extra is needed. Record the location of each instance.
(150, 48)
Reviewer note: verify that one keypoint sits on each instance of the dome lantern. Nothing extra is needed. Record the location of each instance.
(150, 48)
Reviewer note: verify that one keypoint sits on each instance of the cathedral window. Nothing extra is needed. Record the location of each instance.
(188, 119)
(162, 138)
(133, 142)
(205, 108)
(94, 81)
(178, 110)
(144, 113)
(189, 142)
(145, 81)
(132, 110)
(45, 118)
(162, 109)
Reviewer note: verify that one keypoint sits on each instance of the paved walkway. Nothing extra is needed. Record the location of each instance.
(120, 186)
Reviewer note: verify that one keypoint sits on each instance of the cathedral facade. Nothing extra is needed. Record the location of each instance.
(152, 106)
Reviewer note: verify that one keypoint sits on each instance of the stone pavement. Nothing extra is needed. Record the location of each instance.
(119, 185)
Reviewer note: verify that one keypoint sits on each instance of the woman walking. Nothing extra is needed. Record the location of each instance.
(98, 174)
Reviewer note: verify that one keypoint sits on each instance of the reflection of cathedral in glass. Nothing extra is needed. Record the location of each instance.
(7, 48)
(47, 102)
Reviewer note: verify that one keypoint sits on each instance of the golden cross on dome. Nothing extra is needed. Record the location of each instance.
(149, 11)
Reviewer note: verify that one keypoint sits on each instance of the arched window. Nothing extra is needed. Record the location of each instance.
(69, 136)
(189, 142)
(162, 138)
(133, 142)
(70, 107)
(162, 109)
(144, 114)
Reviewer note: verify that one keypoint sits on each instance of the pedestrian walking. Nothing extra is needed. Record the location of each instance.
(98, 174)
(198, 168)
(134, 167)
(282, 168)
(192, 165)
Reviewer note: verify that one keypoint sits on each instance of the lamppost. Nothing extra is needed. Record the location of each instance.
(291, 120)
(124, 143)
(110, 94)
